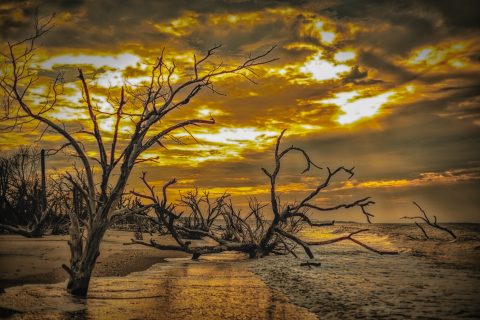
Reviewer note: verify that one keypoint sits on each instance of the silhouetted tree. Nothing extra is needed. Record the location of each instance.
(23, 202)
(253, 233)
(147, 106)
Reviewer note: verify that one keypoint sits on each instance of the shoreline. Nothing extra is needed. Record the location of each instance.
(435, 278)
(350, 283)
(43, 265)
(216, 287)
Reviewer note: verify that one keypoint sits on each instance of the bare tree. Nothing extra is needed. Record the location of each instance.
(147, 106)
(202, 211)
(429, 222)
(253, 233)
(23, 201)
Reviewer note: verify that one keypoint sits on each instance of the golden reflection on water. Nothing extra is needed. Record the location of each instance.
(174, 290)
(372, 238)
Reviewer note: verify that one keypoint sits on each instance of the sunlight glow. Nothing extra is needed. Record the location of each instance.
(209, 112)
(423, 179)
(69, 114)
(356, 109)
(178, 27)
(236, 135)
(108, 69)
(106, 124)
(322, 70)
(343, 56)
(319, 25)
(451, 53)
(245, 19)
(116, 62)
(327, 37)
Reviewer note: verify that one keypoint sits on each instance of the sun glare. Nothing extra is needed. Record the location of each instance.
(236, 135)
(322, 70)
(353, 109)
(343, 56)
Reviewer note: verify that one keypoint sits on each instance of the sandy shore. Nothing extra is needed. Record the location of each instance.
(216, 287)
(24, 261)
(429, 279)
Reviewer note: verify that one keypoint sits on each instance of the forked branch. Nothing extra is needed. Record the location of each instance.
(429, 222)
(251, 233)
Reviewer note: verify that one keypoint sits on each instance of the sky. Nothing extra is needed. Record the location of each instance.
(391, 88)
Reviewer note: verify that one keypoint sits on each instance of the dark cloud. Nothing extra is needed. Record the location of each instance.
(416, 138)
(463, 14)
(437, 132)
(385, 67)
(14, 17)
(355, 76)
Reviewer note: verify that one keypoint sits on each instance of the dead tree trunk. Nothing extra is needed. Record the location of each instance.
(148, 106)
(83, 258)
(43, 179)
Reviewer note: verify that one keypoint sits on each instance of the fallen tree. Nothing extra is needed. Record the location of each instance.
(254, 234)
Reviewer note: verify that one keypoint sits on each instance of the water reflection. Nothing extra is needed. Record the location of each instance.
(173, 290)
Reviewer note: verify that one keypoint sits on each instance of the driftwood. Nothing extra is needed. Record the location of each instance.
(429, 222)
(310, 264)
(349, 237)
(252, 233)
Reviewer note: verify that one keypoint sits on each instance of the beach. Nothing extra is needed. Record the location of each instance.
(136, 282)
(430, 279)
(25, 260)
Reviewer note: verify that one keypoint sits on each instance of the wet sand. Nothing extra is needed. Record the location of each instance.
(179, 289)
(24, 260)
(134, 282)
(429, 279)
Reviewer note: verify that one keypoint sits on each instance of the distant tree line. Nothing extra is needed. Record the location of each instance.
(34, 205)
(25, 206)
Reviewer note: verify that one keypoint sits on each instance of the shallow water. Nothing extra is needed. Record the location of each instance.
(429, 279)
(178, 289)
(355, 283)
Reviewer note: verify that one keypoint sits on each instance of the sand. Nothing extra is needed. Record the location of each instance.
(429, 279)
(217, 287)
(24, 260)
(135, 282)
